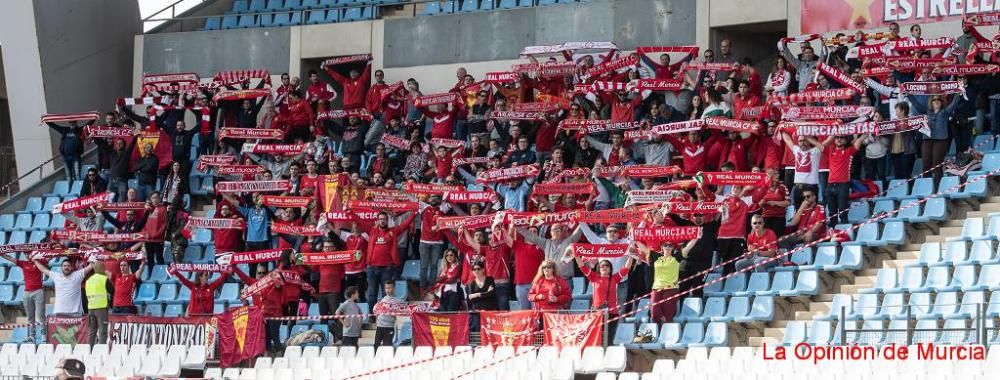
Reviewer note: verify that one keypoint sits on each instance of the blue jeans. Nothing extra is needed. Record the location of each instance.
(522, 296)
(837, 200)
(376, 277)
(144, 191)
(503, 296)
(119, 186)
(72, 166)
(430, 257)
(753, 260)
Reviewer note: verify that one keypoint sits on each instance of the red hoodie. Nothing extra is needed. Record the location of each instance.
(543, 288)
(202, 296)
(383, 247)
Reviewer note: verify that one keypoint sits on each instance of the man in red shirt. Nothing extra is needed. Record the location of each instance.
(838, 186)
(355, 86)
(772, 200)
(731, 243)
(330, 279)
(762, 243)
(270, 302)
(373, 100)
(383, 252)
(155, 228)
(431, 245)
(809, 221)
(623, 106)
(299, 119)
(528, 257)
(125, 282)
(443, 119)
(355, 274)
(692, 149)
(318, 90)
(227, 240)
(744, 99)
(202, 291)
(34, 293)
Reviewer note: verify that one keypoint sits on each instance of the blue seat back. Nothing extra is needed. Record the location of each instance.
(922, 187)
(715, 307)
(930, 253)
(624, 334)
(736, 283)
(738, 307)
(912, 277)
(955, 252)
(783, 281)
(694, 332)
(827, 255)
(763, 308)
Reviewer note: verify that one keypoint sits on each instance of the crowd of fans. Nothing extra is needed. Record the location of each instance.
(486, 266)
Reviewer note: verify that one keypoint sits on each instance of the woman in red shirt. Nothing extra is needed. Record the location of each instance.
(604, 283)
(549, 291)
(227, 240)
(448, 285)
(202, 291)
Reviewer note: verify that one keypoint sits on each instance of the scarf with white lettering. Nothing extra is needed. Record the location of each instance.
(252, 186)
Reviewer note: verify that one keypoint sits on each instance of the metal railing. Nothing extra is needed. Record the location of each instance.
(977, 328)
(172, 9)
(15, 186)
(199, 20)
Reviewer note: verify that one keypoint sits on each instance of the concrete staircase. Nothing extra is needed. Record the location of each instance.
(806, 308)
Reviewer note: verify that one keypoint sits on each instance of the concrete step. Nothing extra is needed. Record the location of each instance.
(759, 341)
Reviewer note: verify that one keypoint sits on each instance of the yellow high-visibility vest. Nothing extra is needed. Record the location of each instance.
(97, 291)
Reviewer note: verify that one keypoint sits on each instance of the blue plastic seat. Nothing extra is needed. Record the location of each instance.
(884, 280)
(404, 334)
(883, 206)
(352, 14)
(992, 228)
(153, 310)
(213, 23)
(909, 211)
(738, 308)
(976, 187)
(219, 307)
(922, 187)
(984, 143)
(316, 17)
(945, 303)
(402, 291)
(819, 333)
(930, 254)
(911, 280)
(691, 308)
(280, 19)
(298, 329)
(296, 19)
(716, 335)
(293, 5)
(825, 255)
(993, 310)
(711, 284)
(783, 281)
(547, 2)
(956, 251)
(183, 296)
(949, 182)
(935, 209)
(159, 275)
(411, 270)
(240, 6)
(507, 4)
(761, 310)
(669, 337)
(624, 335)
(310, 4)
(972, 228)
(920, 304)
(167, 293)
(58, 222)
(274, 5)
(59, 189)
(860, 211)
(19, 297)
(807, 284)
(842, 305)
(270, 20)
(174, 311)
(202, 236)
(249, 21)
(228, 22)
(332, 16)
(989, 278)
(6, 222)
(432, 8)
(795, 333)
(981, 253)
(800, 257)
(146, 293)
(714, 307)
(470, 6)
(898, 189)
(6, 294)
(651, 329)
(759, 281)
(850, 259)
(48, 203)
(642, 315)
(579, 305)
(17, 237)
(735, 283)
(24, 222)
(893, 233)
(991, 162)
(692, 333)
(36, 237)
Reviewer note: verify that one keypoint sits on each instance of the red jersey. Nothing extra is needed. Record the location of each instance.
(330, 277)
(840, 163)
(357, 243)
(767, 241)
(32, 276)
(124, 290)
(383, 246)
(373, 100)
(776, 193)
(543, 288)
(735, 151)
(202, 296)
(734, 226)
(693, 154)
(320, 91)
(354, 89)
(227, 240)
(299, 114)
(442, 123)
(497, 258)
(156, 224)
(428, 219)
(526, 261)
(605, 288)
(809, 218)
(624, 111)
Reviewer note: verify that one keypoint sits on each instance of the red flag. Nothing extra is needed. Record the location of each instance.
(507, 328)
(66, 330)
(573, 330)
(433, 329)
(241, 334)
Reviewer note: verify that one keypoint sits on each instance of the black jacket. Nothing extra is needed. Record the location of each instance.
(119, 161)
(93, 187)
(71, 140)
(146, 168)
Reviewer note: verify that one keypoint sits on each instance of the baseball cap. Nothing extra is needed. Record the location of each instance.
(74, 368)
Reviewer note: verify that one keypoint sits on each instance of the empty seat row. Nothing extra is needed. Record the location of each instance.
(945, 305)
(785, 283)
(717, 309)
(964, 278)
(157, 361)
(954, 331)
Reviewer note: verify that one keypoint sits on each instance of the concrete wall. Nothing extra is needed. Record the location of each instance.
(21, 60)
(207, 53)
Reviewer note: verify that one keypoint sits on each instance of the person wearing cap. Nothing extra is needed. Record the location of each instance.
(70, 369)
(666, 272)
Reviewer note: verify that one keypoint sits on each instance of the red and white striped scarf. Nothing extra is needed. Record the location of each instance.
(66, 117)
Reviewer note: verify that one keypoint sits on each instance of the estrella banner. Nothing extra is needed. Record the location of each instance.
(440, 329)
(507, 328)
(820, 16)
(573, 330)
(66, 330)
(241, 334)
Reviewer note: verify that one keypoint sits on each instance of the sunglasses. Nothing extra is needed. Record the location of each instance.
(477, 268)
(757, 223)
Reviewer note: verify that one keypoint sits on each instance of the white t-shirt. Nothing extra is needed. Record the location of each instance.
(806, 165)
(68, 292)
